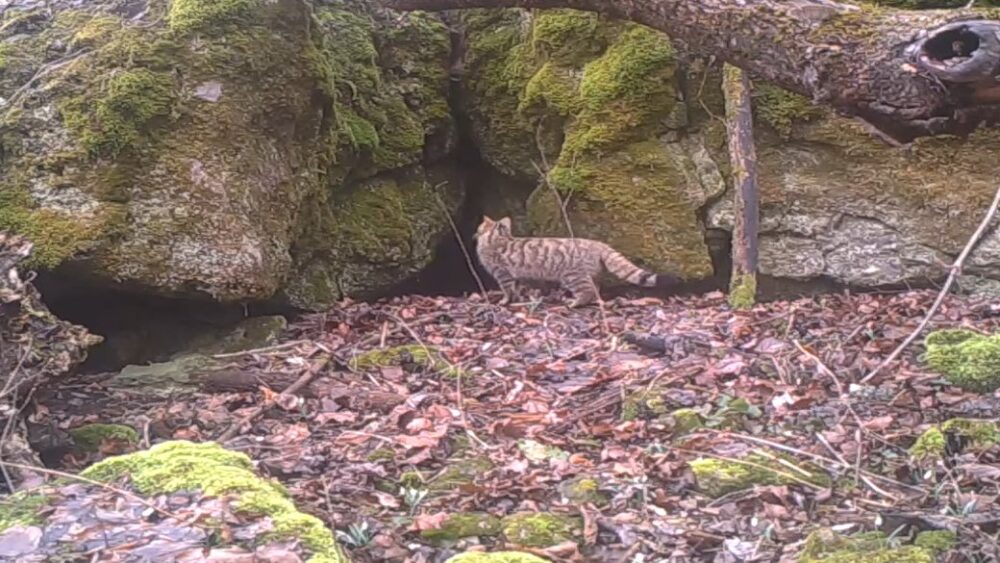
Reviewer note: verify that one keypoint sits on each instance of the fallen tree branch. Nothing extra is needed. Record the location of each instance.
(908, 74)
(301, 382)
(956, 269)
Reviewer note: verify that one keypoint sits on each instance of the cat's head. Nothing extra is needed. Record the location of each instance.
(490, 228)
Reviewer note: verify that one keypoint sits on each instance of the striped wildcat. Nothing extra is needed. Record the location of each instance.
(573, 262)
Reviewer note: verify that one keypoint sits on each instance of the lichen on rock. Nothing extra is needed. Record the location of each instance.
(716, 477)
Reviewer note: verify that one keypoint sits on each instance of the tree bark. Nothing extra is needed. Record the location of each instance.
(907, 74)
(743, 156)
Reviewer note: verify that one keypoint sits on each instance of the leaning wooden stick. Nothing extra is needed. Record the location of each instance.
(956, 269)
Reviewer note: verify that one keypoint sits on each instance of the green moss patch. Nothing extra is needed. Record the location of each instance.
(92, 437)
(931, 444)
(967, 359)
(425, 357)
(459, 472)
(873, 547)
(215, 471)
(781, 109)
(204, 15)
(716, 477)
(541, 529)
(496, 557)
(463, 525)
(23, 508)
(116, 119)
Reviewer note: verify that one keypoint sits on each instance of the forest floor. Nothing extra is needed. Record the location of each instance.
(429, 421)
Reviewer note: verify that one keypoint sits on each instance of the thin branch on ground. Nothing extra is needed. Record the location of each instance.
(461, 243)
(299, 383)
(80, 478)
(956, 269)
(264, 350)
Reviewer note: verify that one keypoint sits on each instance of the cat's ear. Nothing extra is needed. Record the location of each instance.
(487, 220)
(505, 223)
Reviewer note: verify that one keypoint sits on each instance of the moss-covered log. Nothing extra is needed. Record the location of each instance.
(907, 74)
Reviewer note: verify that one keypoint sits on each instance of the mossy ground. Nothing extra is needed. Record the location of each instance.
(540, 529)
(967, 359)
(717, 477)
(24, 508)
(825, 545)
(743, 291)
(207, 467)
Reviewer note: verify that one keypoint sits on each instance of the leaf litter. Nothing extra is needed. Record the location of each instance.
(426, 409)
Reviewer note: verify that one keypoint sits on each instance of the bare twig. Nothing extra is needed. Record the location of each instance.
(461, 244)
(543, 172)
(956, 269)
(299, 383)
(264, 350)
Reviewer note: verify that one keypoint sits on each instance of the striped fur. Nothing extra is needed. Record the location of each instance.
(572, 262)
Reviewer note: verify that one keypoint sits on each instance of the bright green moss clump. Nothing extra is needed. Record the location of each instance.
(827, 546)
(540, 529)
(967, 359)
(583, 490)
(203, 15)
(496, 557)
(930, 444)
(184, 466)
(22, 509)
(743, 292)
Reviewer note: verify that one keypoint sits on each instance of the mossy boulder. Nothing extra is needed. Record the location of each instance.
(715, 477)
(541, 529)
(595, 99)
(219, 149)
(966, 359)
(201, 470)
(825, 545)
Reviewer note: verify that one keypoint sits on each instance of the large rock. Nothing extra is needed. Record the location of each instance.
(172, 148)
(839, 203)
(596, 101)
